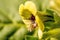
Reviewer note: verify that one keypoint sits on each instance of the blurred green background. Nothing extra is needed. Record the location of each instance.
(12, 27)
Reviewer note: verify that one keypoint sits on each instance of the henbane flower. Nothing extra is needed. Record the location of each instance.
(28, 13)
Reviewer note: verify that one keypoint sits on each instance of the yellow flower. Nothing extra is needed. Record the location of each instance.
(27, 11)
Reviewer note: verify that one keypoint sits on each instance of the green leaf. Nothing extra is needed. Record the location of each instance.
(19, 34)
(31, 38)
(55, 33)
(7, 31)
(56, 18)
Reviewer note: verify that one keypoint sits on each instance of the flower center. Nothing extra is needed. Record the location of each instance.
(32, 18)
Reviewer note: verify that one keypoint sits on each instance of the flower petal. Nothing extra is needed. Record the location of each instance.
(21, 8)
(31, 7)
(40, 33)
(40, 23)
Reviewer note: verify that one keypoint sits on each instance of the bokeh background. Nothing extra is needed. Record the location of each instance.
(13, 28)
